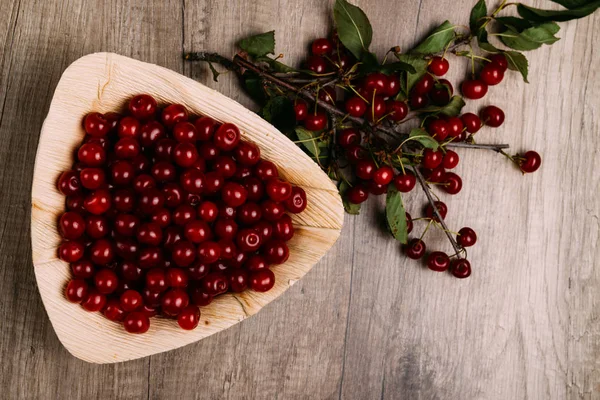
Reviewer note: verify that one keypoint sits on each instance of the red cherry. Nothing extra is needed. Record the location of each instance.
(150, 257)
(185, 154)
(327, 94)
(129, 271)
(474, 89)
(409, 223)
(530, 162)
(272, 210)
(278, 190)
(102, 252)
(96, 226)
(365, 169)
(69, 183)
(455, 126)
(184, 253)
(96, 124)
(249, 214)
(197, 231)
(357, 194)
(131, 300)
(262, 281)
(418, 101)
(136, 322)
(283, 229)
(234, 194)
(186, 132)
(151, 132)
(106, 281)
(149, 233)
(91, 155)
(143, 106)
(415, 249)
(301, 110)
(215, 283)
(208, 211)
(492, 116)
(393, 85)
(156, 280)
(238, 280)
(174, 114)
(127, 148)
(375, 83)
(452, 183)
(206, 127)
(405, 182)
(189, 318)
(438, 66)
(247, 153)
(376, 110)
(348, 137)
(71, 225)
(461, 268)
(77, 290)
(122, 173)
(225, 229)
(450, 159)
(254, 187)
(440, 95)
(435, 175)
(442, 208)
(355, 106)
(376, 189)
(297, 202)
(174, 301)
(438, 261)
(471, 122)
(209, 252)
(98, 202)
(264, 229)
(150, 201)
(248, 240)
(265, 170)
(439, 129)
(95, 301)
(276, 251)
(201, 298)
(321, 47)
(492, 74)
(113, 310)
(432, 159)
(83, 269)
(500, 60)
(397, 110)
(143, 182)
(466, 237)
(227, 137)
(383, 175)
(256, 263)
(316, 122)
(163, 171)
(225, 166)
(424, 85)
(317, 64)
(129, 127)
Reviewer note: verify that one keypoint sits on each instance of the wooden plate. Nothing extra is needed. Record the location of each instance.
(104, 82)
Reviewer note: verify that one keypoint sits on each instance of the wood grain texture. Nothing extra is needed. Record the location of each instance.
(365, 322)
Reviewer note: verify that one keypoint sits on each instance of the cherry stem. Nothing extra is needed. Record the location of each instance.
(427, 191)
(495, 147)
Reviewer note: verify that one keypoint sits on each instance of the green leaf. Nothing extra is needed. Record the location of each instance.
(437, 41)
(396, 215)
(276, 65)
(518, 24)
(279, 111)
(571, 4)
(370, 64)
(353, 27)
(517, 62)
(484, 44)
(316, 147)
(421, 136)
(451, 109)
(577, 9)
(259, 45)
(350, 208)
(254, 87)
(478, 12)
(531, 38)
(409, 78)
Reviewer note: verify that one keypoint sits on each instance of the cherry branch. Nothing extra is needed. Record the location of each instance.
(495, 147)
(457, 248)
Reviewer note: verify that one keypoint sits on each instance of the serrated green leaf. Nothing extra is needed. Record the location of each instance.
(517, 62)
(437, 40)
(478, 12)
(451, 109)
(408, 78)
(259, 45)
(395, 215)
(279, 111)
(350, 208)
(314, 145)
(353, 27)
(578, 9)
(531, 38)
(424, 138)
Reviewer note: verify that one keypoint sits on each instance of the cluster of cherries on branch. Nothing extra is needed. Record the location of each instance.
(374, 98)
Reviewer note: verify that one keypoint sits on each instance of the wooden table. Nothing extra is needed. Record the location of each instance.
(366, 323)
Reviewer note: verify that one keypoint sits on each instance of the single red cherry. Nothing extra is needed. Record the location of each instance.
(461, 268)
(77, 290)
(247, 153)
(471, 122)
(122, 173)
(127, 148)
(283, 229)
(376, 110)
(249, 214)
(234, 194)
(300, 110)
(208, 252)
(113, 310)
(143, 106)
(393, 85)
(530, 161)
(96, 226)
(436, 175)
(424, 85)
(186, 132)
(215, 283)
(409, 223)
(500, 60)
(415, 249)
(106, 281)
(317, 64)
(327, 95)
(348, 137)
(83, 269)
(255, 188)
(95, 301)
(256, 263)
(277, 189)
(450, 159)
(131, 300)
(206, 128)
(432, 158)
(151, 132)
(397, 110)
(129, 127)
(474, 89)
(227, 137)
(492, 74)
(316, 121)
(92, 178)
(164, 171)
(438, 66)
(438, 261)
(442, 209)
(452, 183)
(297, 202)
(492, 116)
(129, 271)
(136, 322)
(375, 83)
(357, 194)
(238, 280)
(197, 231)
(96, 124)
(321, 47)
(189, 318)
(455, 126)
(98, 202)
(262, 281)
(163, 149)
(248, 240)
(225, 229)
(208, 211)
(355, 106)
(264, 229)
(365, 169)
(91, 155)
(69, 183)
(383, 175)
(174, 301)
(466, 237)
(265, 170)
(174, 114)
(150, 257)
(156, 280)
(71, 225)
(418, 101)
(185, 154)
(439, 129)
(276, 251)
(200, 298)
(405, 182)
(376, 189)
(183, 253)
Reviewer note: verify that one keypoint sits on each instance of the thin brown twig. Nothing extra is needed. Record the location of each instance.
(495, 147)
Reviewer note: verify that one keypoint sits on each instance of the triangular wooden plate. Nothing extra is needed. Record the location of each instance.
(104, 82)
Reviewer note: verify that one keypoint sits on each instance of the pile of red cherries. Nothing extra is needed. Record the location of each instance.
(165, 212)
(374, 98)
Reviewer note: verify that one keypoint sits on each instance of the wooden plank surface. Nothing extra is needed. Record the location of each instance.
(366, 322)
